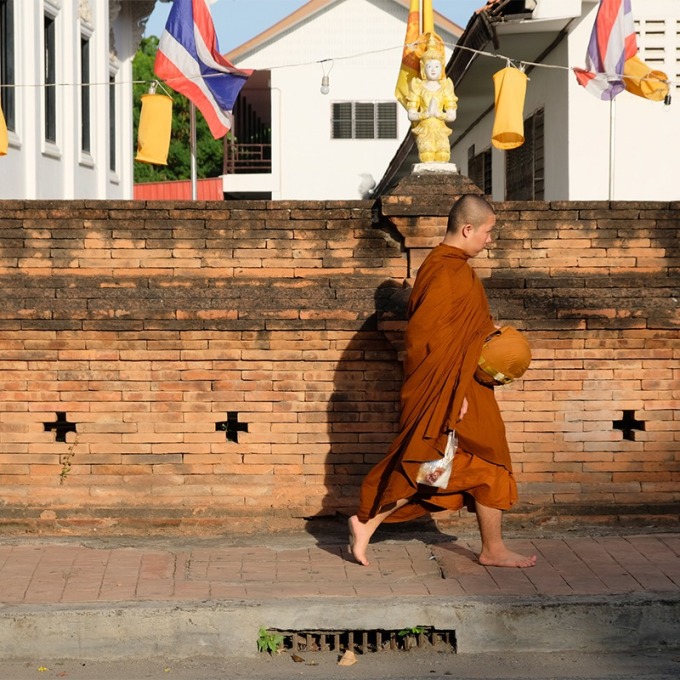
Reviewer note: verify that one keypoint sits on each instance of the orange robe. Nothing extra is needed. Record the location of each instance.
(449, 319)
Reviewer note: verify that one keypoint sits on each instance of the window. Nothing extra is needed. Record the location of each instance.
(524, 166)
(651, 37)
(7, 100)
(364, 120)
(85, 131)
(112, 123)
(655, 39)
(50, 79)
(479, 169)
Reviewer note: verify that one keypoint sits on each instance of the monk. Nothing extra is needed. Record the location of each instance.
(449, 319)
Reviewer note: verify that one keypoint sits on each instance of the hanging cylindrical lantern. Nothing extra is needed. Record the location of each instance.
(510, 85)
(155, 126)
(4, 140)
(641, 80)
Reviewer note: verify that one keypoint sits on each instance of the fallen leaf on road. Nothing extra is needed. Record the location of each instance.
(349, 658)
(296, 658)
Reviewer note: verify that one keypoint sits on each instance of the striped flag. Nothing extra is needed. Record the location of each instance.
(189, 61)
(612, 43)
(410, 61)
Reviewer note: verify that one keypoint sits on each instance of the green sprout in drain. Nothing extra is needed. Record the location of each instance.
(416, 630)
(269, 642)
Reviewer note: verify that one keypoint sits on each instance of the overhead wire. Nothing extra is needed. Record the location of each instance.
(453, 46)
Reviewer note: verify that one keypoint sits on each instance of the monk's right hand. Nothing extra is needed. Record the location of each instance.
(463, 409)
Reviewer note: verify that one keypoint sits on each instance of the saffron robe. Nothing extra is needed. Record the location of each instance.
(449, 319)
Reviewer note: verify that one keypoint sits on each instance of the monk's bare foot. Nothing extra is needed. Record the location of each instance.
(506, 558)
(359, 536)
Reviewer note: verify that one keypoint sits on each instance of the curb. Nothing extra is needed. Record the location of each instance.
(230, 628)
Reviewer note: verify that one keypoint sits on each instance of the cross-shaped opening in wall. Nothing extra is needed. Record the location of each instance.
(231, 426)
(628, 424)
(61, 426)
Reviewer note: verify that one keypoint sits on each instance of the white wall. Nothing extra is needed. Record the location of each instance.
(547, 89)
(35, 169)
(311, 165)
(126, 42)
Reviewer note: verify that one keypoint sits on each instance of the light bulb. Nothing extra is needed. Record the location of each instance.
(325, 85)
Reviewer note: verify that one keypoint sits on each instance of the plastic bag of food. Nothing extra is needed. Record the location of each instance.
(437, 472)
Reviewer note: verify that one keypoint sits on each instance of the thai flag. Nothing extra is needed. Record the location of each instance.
(189, 61)
(612, 43)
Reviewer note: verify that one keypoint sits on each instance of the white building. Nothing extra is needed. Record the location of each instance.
(577, 147)
(292, 141)
(66, 70)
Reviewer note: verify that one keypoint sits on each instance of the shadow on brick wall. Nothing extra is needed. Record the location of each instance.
(363, 414)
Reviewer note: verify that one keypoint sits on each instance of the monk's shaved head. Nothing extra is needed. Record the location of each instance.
(468, 209)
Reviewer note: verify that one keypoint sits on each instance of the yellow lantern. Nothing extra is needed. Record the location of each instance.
(641, 80)
(4, 140)
(155, 126)
(510, 85)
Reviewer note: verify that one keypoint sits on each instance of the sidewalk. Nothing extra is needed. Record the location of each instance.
(105, 597)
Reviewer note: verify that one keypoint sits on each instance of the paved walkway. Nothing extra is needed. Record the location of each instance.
(115, 598)
(68, 572)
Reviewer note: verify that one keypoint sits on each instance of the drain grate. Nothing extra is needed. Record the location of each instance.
(366, 641)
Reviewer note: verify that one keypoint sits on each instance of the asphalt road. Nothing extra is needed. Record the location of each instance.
(653, 664)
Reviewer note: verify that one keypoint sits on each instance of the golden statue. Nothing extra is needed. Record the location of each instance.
(431, 103)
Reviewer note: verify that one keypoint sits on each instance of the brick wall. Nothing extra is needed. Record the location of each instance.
(236, 365)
